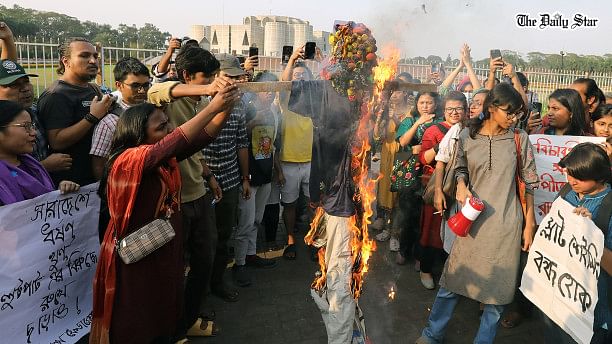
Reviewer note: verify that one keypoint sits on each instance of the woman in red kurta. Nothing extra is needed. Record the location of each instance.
(455, 107)
(141, 302)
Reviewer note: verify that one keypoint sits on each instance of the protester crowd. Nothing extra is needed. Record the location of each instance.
(181, 142)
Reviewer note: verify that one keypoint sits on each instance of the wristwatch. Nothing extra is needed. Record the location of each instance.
(91, 118)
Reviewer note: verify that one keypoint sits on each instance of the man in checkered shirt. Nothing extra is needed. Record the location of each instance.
(226, 167)
(132, 81)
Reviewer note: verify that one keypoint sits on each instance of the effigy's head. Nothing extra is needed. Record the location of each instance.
(353, 55)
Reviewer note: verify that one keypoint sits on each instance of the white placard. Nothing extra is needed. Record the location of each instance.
(560, 277)
(548, 150)
(48, 253)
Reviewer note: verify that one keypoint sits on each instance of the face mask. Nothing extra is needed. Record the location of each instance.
(468, 96)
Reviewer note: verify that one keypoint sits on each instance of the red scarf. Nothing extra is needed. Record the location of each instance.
(122, 190)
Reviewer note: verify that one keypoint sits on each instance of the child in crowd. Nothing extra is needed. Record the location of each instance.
(588, 174)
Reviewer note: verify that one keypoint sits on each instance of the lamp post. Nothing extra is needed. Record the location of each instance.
(562, 54)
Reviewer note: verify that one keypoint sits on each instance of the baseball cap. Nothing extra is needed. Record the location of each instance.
(11, 71)
(230, 64)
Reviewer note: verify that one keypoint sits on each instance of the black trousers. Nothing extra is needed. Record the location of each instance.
(270, 221)
(225, 219)
(406, 218)
(200, 244)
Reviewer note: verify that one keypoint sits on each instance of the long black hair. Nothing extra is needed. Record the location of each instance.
(571, 100)
(502, 94)
(131, 132)
(587, 161)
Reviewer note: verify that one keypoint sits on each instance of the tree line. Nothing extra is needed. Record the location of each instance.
(534, 59)
(30, 24)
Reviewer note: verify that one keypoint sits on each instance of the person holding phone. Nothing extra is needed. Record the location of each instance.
(295, 150)
(496, 62)
(251, 62)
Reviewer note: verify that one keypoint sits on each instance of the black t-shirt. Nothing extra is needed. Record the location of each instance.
(60, 106)
(334, 122)
(261, 148)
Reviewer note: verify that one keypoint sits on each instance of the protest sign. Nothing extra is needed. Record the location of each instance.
(548, 150)
(48, 253)
(561, 273)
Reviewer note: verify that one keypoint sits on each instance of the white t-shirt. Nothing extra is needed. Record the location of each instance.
(445, 148)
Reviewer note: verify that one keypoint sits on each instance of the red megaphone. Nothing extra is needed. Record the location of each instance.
(460, 223)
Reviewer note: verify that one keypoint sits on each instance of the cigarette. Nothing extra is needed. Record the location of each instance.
(438, 212)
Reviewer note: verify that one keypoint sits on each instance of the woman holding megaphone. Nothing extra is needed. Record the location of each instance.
(484, 264)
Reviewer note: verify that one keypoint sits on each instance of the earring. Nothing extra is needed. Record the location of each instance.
(481, 116)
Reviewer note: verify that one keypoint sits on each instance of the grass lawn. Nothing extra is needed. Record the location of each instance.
(47, 74)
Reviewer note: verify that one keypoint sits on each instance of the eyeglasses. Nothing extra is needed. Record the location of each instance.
(28, 126)
(518, 115)
(136, 86)
(455, 109)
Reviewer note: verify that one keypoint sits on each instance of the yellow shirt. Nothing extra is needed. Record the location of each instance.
(296, 137)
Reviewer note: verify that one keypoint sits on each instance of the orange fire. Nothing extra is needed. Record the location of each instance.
(361, 244)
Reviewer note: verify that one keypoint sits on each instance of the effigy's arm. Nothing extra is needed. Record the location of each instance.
(278, 86)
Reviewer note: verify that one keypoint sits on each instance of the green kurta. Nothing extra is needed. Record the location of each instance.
(484, 265)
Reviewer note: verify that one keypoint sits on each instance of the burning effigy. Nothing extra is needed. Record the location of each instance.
(343, 111)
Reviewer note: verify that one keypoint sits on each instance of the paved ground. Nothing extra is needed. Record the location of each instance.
(277, 307)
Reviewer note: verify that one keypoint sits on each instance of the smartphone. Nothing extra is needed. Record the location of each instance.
(309, 50)
(287, 52)
(495, 53)
(253, 51)
(537, 109)
(435, 67)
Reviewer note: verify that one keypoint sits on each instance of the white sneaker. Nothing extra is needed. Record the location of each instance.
(378, 224)
(427, 281)
(394, 245)
(383, 236)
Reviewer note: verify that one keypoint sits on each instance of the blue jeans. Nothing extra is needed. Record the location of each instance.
(442, 311)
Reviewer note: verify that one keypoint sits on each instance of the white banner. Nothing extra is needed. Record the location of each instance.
(560, 277)
(548, 150)
(48, 254)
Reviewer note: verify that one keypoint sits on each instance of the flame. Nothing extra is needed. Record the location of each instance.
(361, 244)
(387, 67)
(391, 294)
(320, 279)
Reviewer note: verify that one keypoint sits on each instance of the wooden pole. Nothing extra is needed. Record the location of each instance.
(277, 86)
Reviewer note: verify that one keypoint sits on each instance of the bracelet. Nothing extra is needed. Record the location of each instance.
(91, 118)
(247, 178)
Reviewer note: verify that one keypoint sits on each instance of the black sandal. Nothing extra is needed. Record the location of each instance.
(290, 252)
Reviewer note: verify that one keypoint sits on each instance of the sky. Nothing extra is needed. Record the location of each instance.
(417, 27)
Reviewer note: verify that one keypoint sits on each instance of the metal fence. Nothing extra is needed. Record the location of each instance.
(41, 58)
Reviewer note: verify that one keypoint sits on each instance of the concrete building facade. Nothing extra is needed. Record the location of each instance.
(267, 32)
